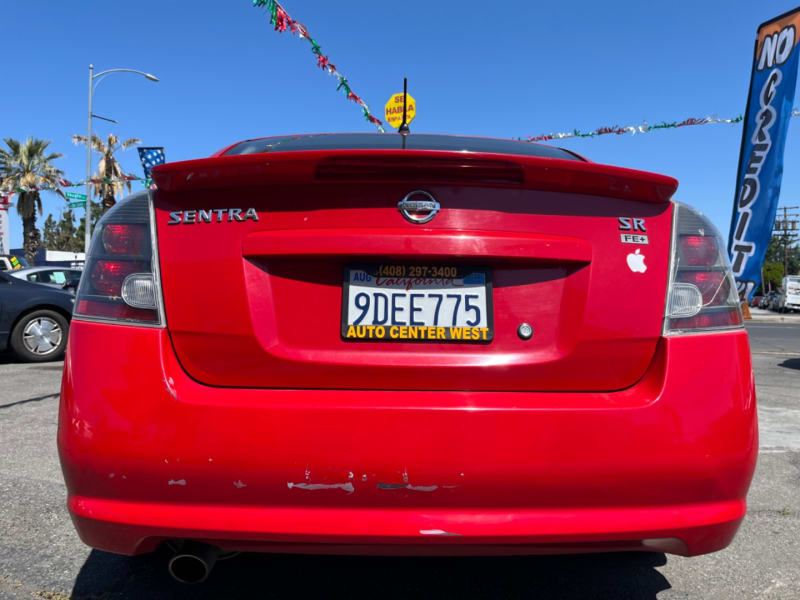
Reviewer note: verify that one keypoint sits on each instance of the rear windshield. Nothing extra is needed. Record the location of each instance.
(389, 141)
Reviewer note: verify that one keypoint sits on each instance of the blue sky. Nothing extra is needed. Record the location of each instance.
(503, 69)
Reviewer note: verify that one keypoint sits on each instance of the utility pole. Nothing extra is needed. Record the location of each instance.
(787, 227)
(88, 216)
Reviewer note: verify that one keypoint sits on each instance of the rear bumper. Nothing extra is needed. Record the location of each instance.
(149, 454)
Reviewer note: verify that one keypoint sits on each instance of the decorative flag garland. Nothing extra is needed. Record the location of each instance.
(65, 183)
(280, 19)
(634, 129)
(617, 130)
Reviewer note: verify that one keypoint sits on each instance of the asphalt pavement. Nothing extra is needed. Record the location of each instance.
(42, 557)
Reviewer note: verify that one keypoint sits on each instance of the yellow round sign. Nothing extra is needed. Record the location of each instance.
(394, 110)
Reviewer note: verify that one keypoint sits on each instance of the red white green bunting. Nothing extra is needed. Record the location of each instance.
(280, 19)
(65, 183)
(634, 129)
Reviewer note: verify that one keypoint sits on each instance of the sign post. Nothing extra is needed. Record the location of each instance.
(80, 199)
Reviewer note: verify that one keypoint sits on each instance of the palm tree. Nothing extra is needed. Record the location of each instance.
(108, 167)
(24, 167)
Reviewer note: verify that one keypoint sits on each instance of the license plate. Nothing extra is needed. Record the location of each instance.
(417, 303)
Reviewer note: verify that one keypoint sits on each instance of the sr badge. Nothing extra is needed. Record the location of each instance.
(632, 224)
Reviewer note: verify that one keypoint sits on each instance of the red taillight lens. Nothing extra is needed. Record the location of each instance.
(107, 275)
(115, 310)
(124, 238)
(713, 285)
(725, 318)
(698, 251)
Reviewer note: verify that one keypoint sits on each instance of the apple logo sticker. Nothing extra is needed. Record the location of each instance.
(636, 262)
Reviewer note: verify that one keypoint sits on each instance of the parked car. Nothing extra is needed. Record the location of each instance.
(54, 276)
(413, 344)
(756, 300)
(73, 279)
(12, 262)
(768, 300)
(777, 302)
(34, 319)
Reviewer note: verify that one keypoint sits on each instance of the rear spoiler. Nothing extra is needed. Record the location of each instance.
(424, 166)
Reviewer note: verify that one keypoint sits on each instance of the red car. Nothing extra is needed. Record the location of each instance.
(388, 344)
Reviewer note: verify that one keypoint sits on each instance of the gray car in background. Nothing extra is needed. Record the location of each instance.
(60, 277)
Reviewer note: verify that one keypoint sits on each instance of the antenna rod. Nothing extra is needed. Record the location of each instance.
(404, 126)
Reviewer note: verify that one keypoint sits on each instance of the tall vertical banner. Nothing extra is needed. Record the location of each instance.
(758, 180)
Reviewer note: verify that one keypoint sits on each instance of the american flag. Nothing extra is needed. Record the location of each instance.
(151, 157)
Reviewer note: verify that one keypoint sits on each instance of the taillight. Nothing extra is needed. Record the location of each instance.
(698, 250)
(124, 238)
(702, 294)
(120, 281)
(713, 285)
(107, 275)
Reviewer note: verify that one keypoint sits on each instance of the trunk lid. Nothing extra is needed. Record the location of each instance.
(253, 251)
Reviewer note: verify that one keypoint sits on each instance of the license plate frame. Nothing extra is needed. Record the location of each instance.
(439, 272)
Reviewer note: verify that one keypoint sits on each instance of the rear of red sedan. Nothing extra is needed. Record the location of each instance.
(420, 344)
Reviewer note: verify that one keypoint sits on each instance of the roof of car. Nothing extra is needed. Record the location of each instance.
(388, 141)
(45, 268)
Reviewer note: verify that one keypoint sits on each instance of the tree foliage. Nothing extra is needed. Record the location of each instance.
(773, 275)
(108, 167)
(25, 165)
(775, 252)
(80, 232)
(64, 234)
(773, 261)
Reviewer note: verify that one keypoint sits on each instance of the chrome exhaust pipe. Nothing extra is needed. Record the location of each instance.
(193, 562)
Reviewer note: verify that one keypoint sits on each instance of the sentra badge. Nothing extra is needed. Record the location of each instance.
(214, 215)
(418, 207)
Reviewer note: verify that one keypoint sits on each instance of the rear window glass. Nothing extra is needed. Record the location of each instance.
(389, 141)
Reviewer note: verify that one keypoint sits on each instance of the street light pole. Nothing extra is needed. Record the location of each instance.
(92, 77)
(88, 226)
